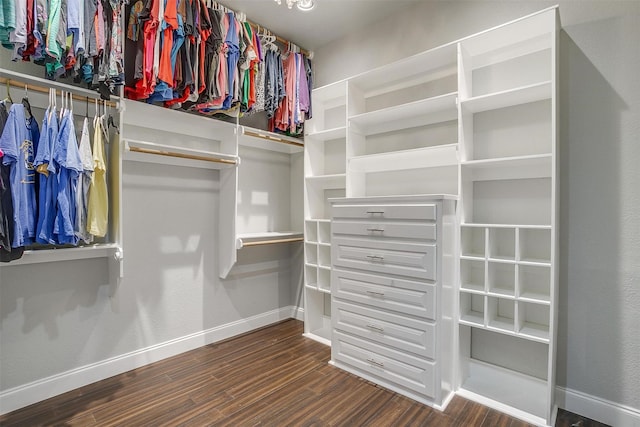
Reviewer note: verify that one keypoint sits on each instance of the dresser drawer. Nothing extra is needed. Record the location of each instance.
(406, 230)
(406, 259)
(401, 332)
(408, 211)
(404, 296)
(392, 366)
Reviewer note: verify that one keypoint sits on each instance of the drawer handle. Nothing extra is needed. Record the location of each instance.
(381, 294)
(375, 362)
(375, 328)
(375, 258)
(376, 230)
(375, 212)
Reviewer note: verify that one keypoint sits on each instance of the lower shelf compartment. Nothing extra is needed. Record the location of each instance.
(508, 391)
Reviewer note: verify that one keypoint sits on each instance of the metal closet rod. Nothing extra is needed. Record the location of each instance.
(20, 85)
(182, 155)
(253, 24)
(272, 138)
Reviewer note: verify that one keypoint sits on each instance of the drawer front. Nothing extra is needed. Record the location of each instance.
(401, 332)
(377, 212)
(390, 365)
(403, 296)
(386, 229)
(406, 259)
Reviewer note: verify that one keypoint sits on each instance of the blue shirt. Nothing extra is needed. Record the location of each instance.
(66, 157)
(19, 143)
(47, 178)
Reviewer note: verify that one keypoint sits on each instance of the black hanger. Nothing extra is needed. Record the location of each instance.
(111, 123)
(25, 102)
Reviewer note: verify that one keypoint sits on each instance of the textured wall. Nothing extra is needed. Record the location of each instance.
(598, 342)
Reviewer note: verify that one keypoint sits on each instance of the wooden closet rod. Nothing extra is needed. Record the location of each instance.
(271, 242)
(272, 138)
(42, 89)
(182, 156)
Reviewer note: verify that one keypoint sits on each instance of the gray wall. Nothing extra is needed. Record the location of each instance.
(598, 343)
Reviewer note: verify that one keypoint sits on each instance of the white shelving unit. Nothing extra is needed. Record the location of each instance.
(508, 219)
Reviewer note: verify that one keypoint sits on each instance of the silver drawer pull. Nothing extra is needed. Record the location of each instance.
(375, 328)
(376, 230)
(375, 362)
(380, 294)
(375, 212)
(375, 257)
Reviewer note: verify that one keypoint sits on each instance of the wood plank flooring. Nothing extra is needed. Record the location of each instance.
(269, 377)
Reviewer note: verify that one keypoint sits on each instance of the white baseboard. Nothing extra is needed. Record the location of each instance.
(298, 313)
(602, 410)
(36, 391)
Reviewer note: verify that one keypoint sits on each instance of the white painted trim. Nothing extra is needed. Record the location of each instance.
(27, 394)
(596, 408)
(297, 313)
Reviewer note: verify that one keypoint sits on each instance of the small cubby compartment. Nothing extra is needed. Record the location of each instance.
(501, 314)
(502, 243)
(324, 279)
(325, 157)
(534, 282)
(311, 275)
(473, 241)
(533, 320)
(311, 253)
(472, 308)
(324, 256)
(507, 201)
(472, 275)
(324, 232)
(311, 231)
(502, 278)
(535, 245)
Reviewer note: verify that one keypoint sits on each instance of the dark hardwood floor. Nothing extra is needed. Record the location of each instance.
(269, 377)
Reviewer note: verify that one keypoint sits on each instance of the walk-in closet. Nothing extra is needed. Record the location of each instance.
(314, 212)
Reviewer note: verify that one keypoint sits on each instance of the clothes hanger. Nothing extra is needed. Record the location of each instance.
(25, 102)
(8, 98)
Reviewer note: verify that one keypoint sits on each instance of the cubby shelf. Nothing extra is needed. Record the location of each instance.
(413, 114)
(535, 166)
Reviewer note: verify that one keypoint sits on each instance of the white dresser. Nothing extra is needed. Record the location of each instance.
(392, 292)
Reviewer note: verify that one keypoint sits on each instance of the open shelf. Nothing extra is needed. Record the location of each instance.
(502, 279)
(508, 98)
(502, 244)
(337, 180)
(535, 166)
(533, 321)
(418, 113)
(534, 283)
(435, 156)
(472, 309)
(472, 275)
(329, 134)
(38, 256)
(501, 314)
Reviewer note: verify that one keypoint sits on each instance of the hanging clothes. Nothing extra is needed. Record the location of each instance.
(84, 182)
(47, 176)
(7, 223)
(98, 210)
(19, 143)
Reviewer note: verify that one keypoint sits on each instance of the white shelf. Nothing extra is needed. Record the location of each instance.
(521, 167)
(508, 98)
(436, 156)
(479, 224)
(413, 114)
(265, 238)
(38, 256)
(257, 138)
(150, 152)
(329, 134)
(334, 92)
(338, 180)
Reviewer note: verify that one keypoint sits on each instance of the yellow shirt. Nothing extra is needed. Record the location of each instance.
(98, 215)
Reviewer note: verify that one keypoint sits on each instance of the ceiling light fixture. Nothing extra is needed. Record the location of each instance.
(304, 5)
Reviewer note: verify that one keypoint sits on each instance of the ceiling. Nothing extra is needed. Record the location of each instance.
(329, 20)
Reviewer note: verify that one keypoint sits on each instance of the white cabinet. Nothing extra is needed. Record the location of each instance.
(392, 294)
(508, 216)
